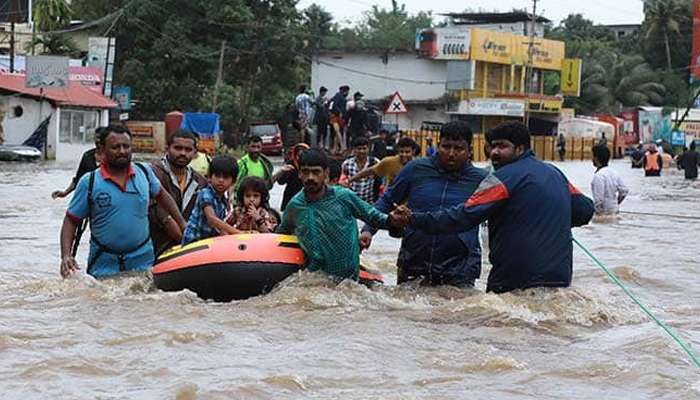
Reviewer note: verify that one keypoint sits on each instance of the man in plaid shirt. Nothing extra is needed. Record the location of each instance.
(364, 188)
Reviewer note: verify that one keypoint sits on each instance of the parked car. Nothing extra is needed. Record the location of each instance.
(271, 136)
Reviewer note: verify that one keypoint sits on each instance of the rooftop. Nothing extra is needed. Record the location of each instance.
(75, 94)
(495, 18)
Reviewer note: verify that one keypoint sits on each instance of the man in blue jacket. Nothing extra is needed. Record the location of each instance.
(530, 206)
(432, 184)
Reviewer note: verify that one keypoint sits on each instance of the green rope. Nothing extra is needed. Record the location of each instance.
(663, 326)
(686, 217)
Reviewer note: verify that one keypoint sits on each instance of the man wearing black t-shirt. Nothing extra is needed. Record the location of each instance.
(88, 163)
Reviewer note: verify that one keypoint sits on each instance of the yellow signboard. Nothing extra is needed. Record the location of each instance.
(570, 81)
(506, 48)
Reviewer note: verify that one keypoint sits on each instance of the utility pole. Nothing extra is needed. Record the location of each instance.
(528, 68)
(13, 18)
(219, 76)
(12, 46)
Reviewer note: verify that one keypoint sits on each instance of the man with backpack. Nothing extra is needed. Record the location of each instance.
(356, 118)
(115, 198)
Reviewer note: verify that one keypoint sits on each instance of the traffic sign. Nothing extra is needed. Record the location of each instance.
(396, 105)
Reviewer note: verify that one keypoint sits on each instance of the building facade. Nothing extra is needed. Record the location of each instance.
(474, 69)
(379, 73)
(75, 112)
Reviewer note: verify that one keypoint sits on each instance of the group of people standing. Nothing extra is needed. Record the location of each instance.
(434, 204)
(338, 120)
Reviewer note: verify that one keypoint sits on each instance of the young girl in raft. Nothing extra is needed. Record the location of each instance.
(252, 212)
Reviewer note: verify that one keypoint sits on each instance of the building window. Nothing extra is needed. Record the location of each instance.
(78, 126)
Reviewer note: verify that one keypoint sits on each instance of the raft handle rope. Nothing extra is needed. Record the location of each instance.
(648, 312)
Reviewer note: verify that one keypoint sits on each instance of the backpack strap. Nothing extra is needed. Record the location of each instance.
(86, 221)
(145, 172)
(101, 248)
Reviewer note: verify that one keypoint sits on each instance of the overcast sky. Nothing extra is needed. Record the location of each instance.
(600, 11)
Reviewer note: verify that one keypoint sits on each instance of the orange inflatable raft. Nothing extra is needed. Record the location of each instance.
(234, 267)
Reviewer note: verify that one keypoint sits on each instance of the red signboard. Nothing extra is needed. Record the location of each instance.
(695, 54)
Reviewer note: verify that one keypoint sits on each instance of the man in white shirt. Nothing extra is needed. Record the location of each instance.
(607, 187)
(303, 104)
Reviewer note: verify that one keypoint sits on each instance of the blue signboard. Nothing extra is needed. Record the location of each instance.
(122, 95)
(678, 138)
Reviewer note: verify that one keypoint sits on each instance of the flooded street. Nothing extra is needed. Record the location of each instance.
(123, 339)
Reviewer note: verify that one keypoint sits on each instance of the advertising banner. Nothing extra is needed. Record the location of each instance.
(444, 43)
(695, 53)
(570, 82)
(47, 72)
(122, 95)
(512, 108)
(507, 48)
(653, 125)
(495, 47)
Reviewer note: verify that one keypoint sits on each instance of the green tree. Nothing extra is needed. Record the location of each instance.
(54, 44)
(663, 19)
(576, 28)
(611, 81)
(318, 26)
(393, 28)
(50, 15)
(168, 52)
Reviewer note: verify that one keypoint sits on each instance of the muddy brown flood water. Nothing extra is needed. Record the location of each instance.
(122, 339)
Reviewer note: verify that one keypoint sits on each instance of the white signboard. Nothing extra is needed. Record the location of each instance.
(47, 72)
(101, 55)
(511, 108)
(444, 43)
(97, 52)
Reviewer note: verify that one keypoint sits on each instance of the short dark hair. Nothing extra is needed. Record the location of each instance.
(334, 170)
(313, 158)
(302, 89)
(456, 130)
(513, 131)
(224, 165)
(118, 129)
(360, 141)
(692, 145)
(182, 134)
(254, 184)
(254, 139)
(322, 89)
(100, 133)
(601, 153)
(408, 142)
(344, 87)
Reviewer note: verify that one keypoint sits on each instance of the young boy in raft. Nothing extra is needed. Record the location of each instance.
(252, 213)
(323, 218)
(207, 218)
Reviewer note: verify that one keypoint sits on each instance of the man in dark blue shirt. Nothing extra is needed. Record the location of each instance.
(433, 184)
